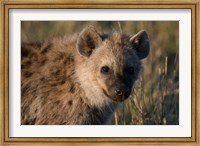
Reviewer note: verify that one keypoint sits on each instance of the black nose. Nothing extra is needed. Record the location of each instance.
(121, 91)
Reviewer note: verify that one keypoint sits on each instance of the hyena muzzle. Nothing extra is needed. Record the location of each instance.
(79, 79)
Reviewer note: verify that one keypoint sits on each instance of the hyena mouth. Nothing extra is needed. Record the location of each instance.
(116, 99)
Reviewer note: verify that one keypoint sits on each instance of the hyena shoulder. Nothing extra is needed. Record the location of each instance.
(49, 87)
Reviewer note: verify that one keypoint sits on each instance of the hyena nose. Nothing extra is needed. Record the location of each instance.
(121, 92)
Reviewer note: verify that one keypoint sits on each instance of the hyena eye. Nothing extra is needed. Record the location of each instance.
(130, 70)
(105, 69)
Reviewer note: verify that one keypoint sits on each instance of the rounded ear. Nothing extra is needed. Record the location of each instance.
(87, 41)
(141, 44)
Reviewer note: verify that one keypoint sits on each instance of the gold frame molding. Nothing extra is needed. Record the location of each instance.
(127, 4)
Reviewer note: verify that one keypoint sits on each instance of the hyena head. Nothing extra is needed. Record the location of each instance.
(111, 64)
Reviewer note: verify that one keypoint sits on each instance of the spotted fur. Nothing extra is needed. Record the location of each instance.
(61, 79)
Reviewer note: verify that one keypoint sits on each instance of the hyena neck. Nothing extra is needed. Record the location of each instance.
(89, 113)
(99, 116)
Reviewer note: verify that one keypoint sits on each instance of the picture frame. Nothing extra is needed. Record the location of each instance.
(7, 5)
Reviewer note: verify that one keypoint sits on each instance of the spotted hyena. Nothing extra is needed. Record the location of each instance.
(79, 79)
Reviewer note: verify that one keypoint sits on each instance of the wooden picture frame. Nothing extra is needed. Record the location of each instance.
(44, 4)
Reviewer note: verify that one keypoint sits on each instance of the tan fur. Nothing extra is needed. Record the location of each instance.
(61, 86)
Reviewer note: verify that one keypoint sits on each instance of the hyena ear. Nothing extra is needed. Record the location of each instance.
(141, 44)
(88, 40)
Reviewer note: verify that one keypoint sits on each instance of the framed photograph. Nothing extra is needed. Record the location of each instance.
(106, 72)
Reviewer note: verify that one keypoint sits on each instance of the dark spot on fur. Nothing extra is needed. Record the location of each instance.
(55, 71)
(53, 84)
(26, 123)
(33, 57)
(24, 89)
(35, 110)
(118, 44)
(27, 74)
(63, 81)
(46, 48)
(54, 115)
(72, 88)
(42, 79)
(26, 64)
(80, 115)
(60, 57)
(43, 61)
(24, 51)
(30, 122)
(70, 102)
(22, 66)
(22, 116)
(44, 123)
(81, 100)
(27, 48)
(57, 102)
(69, 59)
(33, 121)
(85, 100)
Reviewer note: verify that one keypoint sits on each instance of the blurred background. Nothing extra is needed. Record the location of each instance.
(155, 97)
